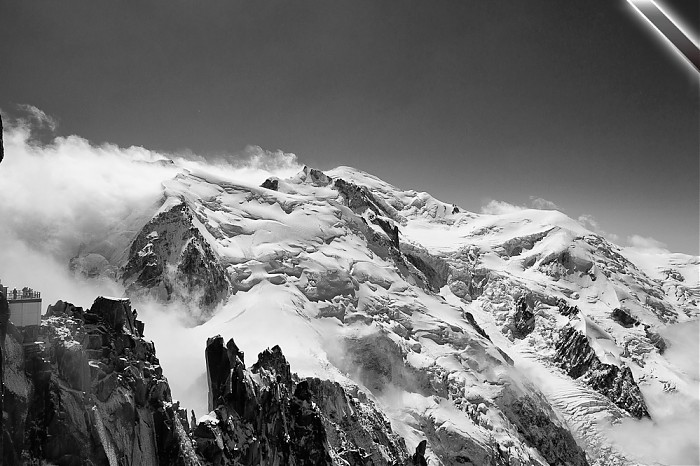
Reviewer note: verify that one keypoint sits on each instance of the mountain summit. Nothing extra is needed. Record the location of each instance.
(521, 338)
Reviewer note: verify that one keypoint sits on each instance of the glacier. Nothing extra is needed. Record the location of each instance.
(516, 338)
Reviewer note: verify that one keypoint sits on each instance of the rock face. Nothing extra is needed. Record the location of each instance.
(266, 415)
(2, 149)
(90, 390)
(271, 183)
(553, 441)
(524, 318)
(418, 458)
(171, 259)
(4, 316)
(360, 199)
(575, 355)
(451, 326)
(624, 318)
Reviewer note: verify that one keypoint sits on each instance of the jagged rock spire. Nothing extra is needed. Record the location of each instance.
(418, 458)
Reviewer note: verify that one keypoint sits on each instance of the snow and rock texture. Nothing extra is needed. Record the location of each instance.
(267, 415)
(424, 306)
(170, 259)
(498, 339)
(86, 388)
(583, 316)
(317, 267)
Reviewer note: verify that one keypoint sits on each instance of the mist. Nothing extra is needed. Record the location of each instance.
(60, 195)
(671, 435)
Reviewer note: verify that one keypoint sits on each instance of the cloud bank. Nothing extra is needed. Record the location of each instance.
(60, 194)
(647, 244)
(671, 435)
(543, 204)
(496, 207)
(56, 197)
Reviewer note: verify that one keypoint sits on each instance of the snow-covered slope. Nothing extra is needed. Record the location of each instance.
(575, 282)
(492, 336)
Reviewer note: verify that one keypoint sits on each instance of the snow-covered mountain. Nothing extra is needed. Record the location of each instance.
(520, 338)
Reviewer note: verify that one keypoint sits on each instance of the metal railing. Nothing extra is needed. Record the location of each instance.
(16, 294)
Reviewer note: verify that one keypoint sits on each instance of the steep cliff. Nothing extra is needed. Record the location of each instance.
(87, 388)
(2, 149)
(267, 415)
(170, 259)
(575, 355)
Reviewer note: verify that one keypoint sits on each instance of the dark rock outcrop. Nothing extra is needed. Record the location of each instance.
(2, 148)
(575, 355)
(265, 415)
(524, 318)
(567, 309)
(516, 246)
(90, 390)
(435, 268)
(656, 340)
(4, 318)
(316, 177)
(271, 183)
(566, 263)
(430, 272)
(171, 259)
(553, 441)
(360, 198)
(418, 458)
(475, 325)
(624, 318)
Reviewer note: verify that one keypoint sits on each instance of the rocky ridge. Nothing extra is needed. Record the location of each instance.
(267, 415)
(171, 260)
(85, 387)
(575, 355)
(329, 248)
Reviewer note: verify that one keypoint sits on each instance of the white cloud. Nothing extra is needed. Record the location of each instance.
(671, 435)
(37, 117)
(494, 207)
(647, 244)
(58, 197)
(258, 158)
(543, 204)
(590, 222)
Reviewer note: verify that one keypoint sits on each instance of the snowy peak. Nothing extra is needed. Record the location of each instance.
(170, 259)
(322, 256)
(463, 329)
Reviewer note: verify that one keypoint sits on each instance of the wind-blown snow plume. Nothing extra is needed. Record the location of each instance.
(543, 204)
(56, 197)
(494, 207)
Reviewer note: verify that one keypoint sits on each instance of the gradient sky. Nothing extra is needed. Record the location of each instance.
(577, 102)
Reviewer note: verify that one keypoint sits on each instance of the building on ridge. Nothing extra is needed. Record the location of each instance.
(24, 304)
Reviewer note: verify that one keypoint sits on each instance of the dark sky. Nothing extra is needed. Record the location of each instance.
(577, 101)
